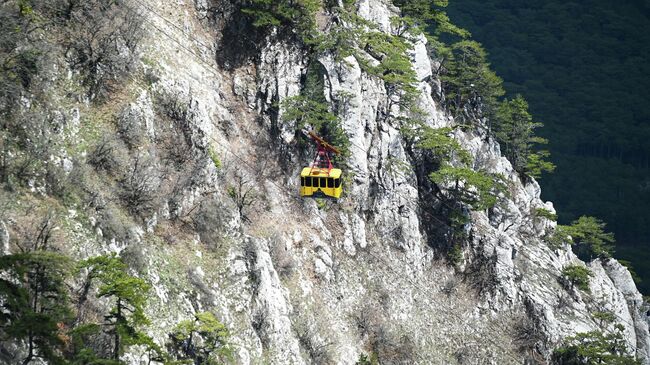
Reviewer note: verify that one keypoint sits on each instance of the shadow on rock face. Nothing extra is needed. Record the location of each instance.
(240, 42)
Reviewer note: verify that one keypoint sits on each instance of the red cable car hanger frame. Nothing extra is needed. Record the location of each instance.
(322, 160)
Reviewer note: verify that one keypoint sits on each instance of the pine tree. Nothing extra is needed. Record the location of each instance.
(588, 235)
(469, 81)
(476, 189)
(202, 340)
(394, 67)
(34, 302)
(514, 129)
(460, 187)
(425, 13)
(595, 347)
(128, 294)
(297, 14)
(577, 275)
(311, 110)
(440, 142)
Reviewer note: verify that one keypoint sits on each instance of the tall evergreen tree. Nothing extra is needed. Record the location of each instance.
(34, 302)
(424, 13)
(297, 14)
(311, 110)
(515, 130)
(460, 188)
(128, 294)
(468, 80)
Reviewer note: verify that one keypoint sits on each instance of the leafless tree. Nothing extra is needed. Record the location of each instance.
(139, 186)
(318, 348)
(105, 154)
(243, 193)
(40, 236)
(282, 259)
(260, 324)
(101, 40)
(368, 319)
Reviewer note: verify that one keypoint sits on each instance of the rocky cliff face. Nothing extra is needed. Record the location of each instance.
(296, 281)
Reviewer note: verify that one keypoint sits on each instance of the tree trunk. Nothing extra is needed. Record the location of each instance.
(83, 297)
(30, 354)
(116, 349)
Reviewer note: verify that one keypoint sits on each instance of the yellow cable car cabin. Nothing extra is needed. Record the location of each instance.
(320, 183)
(321, 179)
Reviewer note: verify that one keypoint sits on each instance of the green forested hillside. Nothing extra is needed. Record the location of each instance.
(584, 67)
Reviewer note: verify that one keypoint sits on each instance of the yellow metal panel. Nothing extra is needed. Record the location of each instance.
(317, 175)
(308, 171)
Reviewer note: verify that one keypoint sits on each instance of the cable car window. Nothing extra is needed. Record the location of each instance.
(302, 181)
(337, 182)
(308, 181)
(322, 182)
(330, 182)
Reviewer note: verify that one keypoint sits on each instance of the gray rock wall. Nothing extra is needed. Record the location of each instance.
(323, 285)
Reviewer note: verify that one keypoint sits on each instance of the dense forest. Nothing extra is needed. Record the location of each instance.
(583, 67)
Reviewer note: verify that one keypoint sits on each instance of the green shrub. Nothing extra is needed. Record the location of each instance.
(558, 238)
(603, 317)
(577, 275)
(455, 254)
(367, 360)
(215, 159)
